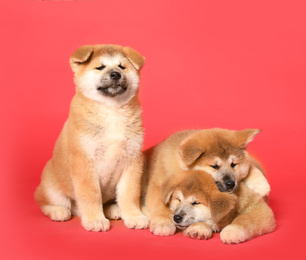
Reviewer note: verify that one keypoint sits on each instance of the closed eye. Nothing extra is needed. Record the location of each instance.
(101, 67)
(215, 166)
(121, 67)
(195, 203)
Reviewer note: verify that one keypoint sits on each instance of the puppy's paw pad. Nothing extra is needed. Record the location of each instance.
(96, 225)
(163, 229)
(57, 213)
(137, 222)
(233, 234)
(198, 232)
(112, 212)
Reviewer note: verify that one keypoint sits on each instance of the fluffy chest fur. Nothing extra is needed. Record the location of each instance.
(109, 138)
(114, 137)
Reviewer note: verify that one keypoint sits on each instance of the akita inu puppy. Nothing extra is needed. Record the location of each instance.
(200, 209)
(97, 157)
(219, 152)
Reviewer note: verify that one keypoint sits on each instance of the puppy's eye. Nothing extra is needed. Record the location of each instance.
(233, 165)
(121, 67)
(215, 166)
(178, 200)
(101, 67)
(195, 203)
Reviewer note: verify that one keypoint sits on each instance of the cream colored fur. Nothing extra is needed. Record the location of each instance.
(97, 157)
(167, 159)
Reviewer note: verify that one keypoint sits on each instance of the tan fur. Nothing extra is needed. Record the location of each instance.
(197, 150)
(97, 157)
(254, 218)
(241, 215)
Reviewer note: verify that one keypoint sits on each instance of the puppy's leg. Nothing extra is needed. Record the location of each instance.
(161, 216)
(111, 211)
(257, 182)
(88, 195)
(257, 221)
(128, 195)
(199, 230)
(52, 202)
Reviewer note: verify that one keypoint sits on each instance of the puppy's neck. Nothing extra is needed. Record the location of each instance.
(94, 105)
(83, 109)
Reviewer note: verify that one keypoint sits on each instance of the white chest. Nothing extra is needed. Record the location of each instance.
(110, 144)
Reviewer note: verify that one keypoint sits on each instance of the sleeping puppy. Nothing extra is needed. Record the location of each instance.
(219, 152)
(223, 154)
(200, 209)
(197, 206)
(97, 158)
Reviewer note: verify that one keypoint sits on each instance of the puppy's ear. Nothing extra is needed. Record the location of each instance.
(246, 136)
(79, 56)
(190, 150)
(135, 58)
(221, 204)
(167, 190)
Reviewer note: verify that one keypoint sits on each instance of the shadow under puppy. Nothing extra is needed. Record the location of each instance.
(200, 209)
(97, 157)
(218, 152)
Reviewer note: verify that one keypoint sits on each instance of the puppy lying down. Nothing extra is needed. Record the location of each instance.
(200, 209)
(221, 154)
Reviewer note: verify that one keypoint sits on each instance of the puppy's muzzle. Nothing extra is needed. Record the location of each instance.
(177, 218)
(227, 184)
(115, 75)
(114, 85)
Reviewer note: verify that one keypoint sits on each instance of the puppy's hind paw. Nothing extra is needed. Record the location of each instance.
(57, 213)
(233, 234)
(137, 221)
(112, 212)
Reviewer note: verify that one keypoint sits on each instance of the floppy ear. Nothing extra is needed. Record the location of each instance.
(246, 136)
(221, 204)
(167, 190)
(190, 150)
(79, 56)
(135, 58)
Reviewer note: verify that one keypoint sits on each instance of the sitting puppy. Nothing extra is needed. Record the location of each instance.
(219, 152)
(97, 157)
(200, 209)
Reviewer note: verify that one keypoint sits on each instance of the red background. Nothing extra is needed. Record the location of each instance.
(232, 64)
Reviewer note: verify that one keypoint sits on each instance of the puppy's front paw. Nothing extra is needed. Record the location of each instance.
(257, 182)
(162, 227)
(96, 224)
(136, 221)
(262, 190)
(198, 231)
(233, 234)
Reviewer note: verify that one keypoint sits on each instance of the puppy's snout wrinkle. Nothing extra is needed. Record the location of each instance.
(177, 218)
(115, 75)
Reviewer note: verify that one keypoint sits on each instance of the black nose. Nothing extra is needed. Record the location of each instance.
(229, 185)
(177, 218)
(115, 75)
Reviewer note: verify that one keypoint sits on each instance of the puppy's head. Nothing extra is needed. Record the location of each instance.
(107, 73)
(220, 152)
(193, 197)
